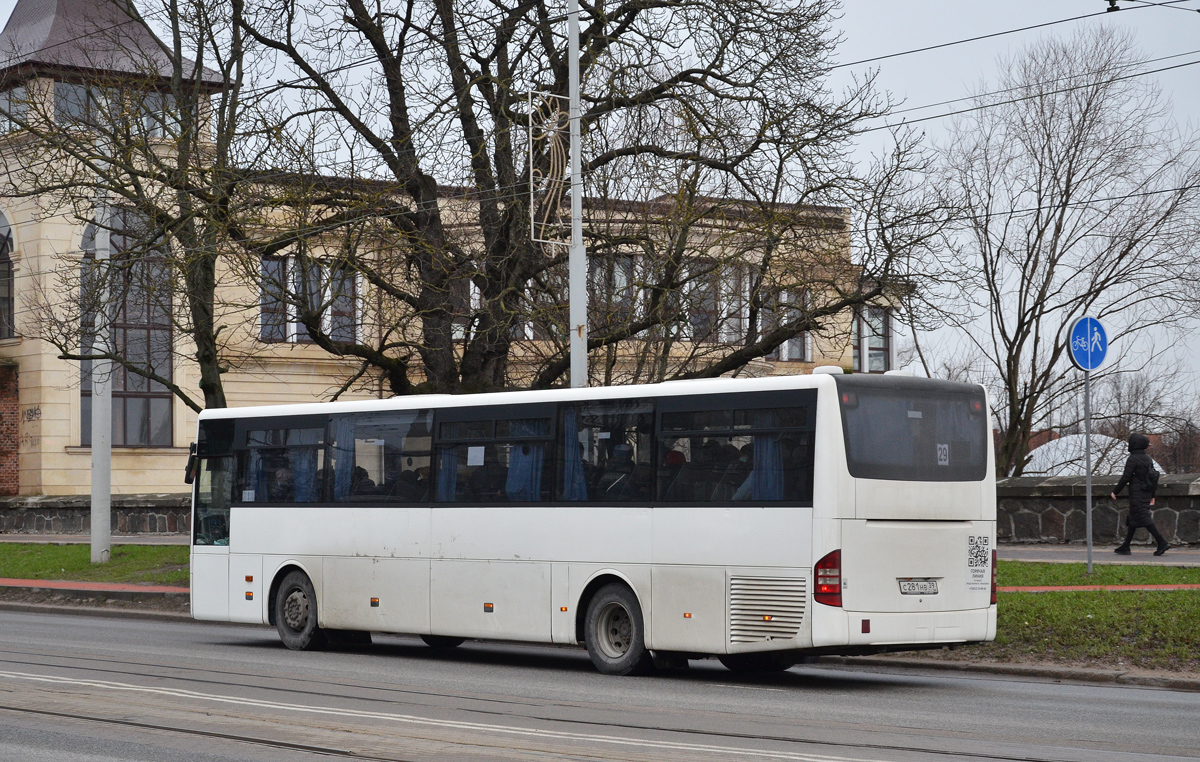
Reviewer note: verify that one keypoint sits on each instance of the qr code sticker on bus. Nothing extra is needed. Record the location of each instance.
(979, 561)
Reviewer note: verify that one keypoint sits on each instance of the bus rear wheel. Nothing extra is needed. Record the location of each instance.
(296, 613)
(615, 633)
(757, 663)
(442, 641)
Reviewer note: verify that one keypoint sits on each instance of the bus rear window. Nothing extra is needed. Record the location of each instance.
(896, 430)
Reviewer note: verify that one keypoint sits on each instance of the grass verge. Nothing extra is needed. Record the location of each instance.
(1020, 573)
(146, 564)
(1144, 629)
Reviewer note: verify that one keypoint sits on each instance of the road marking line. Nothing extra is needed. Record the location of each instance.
(745, 687)
(414, 720)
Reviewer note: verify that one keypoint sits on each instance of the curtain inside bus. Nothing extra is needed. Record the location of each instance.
(606, 450)
(740, 453)
(495, 461)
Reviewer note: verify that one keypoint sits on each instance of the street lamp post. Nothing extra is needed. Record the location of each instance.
(577, 296)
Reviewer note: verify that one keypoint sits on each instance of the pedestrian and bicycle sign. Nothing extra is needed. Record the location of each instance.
(1089, 343)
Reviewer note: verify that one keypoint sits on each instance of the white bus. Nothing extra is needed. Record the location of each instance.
(760, 521)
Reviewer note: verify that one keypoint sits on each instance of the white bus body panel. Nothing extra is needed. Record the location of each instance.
(876, 555)
(210, 583)
(926, 501)
(246, 597)
(401, 586)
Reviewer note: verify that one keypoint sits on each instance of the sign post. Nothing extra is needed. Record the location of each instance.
(1087, 349)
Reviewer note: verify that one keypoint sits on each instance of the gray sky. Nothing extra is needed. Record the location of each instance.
(881, 27)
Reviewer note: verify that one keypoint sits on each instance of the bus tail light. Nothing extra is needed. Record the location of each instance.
(993, 576)
(828, 573)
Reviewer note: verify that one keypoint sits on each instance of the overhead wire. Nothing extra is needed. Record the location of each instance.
(492, 192)
(1023, 98)
(969, 39)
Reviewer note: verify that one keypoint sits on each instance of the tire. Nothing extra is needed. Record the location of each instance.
(442, 641)
(757, 663)
(296, 614)
(615, 633)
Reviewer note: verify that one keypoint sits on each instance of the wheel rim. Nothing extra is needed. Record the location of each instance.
(295, 610)
(614, 630)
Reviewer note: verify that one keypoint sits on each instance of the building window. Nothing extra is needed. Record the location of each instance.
(783, 308)
(870, 334)
(141, 334)
(159, 115)
(333, 294)
(612, 289)
(701, 292)
(8, 312)
(75, 105)
(13, 108)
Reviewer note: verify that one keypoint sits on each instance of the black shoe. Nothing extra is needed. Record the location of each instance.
(1123, 551)
(1163, 547)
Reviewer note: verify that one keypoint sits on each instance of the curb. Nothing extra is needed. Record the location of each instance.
(1047, 672)
(45, 608)
(130, 596)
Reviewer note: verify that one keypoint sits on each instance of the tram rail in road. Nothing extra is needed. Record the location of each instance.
(234, 690)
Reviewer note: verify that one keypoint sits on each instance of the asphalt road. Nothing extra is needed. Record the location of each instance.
(76, 689)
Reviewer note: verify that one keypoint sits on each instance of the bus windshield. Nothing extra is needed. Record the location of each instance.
(895, 429)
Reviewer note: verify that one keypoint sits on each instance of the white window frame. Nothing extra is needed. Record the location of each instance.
(293, 328)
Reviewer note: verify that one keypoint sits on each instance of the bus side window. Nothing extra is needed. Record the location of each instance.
(282, 465)
(606, 451)
(382, 457)
(745, 453)
(509, 460)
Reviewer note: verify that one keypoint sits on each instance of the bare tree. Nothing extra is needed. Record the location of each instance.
(709, 135)
(159, 133)
(1076, 196)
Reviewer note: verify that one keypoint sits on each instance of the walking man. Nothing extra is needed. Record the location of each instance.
(1142, 480)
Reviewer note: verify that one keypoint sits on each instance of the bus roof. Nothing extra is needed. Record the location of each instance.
(663, 389)
(419, 401)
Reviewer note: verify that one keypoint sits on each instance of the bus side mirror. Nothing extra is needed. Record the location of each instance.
(189, 474)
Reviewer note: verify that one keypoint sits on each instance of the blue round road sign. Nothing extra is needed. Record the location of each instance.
(1089, 343)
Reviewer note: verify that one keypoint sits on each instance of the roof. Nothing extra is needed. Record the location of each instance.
(106, 36)
(702, 386)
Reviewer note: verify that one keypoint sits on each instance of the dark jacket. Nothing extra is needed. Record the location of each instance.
(1138, 467)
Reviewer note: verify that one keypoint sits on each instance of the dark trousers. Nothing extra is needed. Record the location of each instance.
(1153, 530)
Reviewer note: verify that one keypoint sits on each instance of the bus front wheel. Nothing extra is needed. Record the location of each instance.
(615, 633)
(296, 613)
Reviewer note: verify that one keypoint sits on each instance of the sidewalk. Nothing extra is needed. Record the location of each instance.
(102, 587)
(1101, 554)
(104, 591)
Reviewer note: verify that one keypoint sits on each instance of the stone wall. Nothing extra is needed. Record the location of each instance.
(1053, 509)
(1029, 509)
(131, 514)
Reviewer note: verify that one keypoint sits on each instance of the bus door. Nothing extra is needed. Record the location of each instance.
(212, 497)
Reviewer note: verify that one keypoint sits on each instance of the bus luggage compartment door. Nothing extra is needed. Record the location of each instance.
(910, 566)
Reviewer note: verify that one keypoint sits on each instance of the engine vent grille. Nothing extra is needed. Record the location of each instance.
(765, 608)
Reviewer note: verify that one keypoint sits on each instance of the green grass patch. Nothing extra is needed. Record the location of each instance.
(147, 564)
(1147, 629)
(1021, 573)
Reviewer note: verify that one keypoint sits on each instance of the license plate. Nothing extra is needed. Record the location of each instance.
(918, 587)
